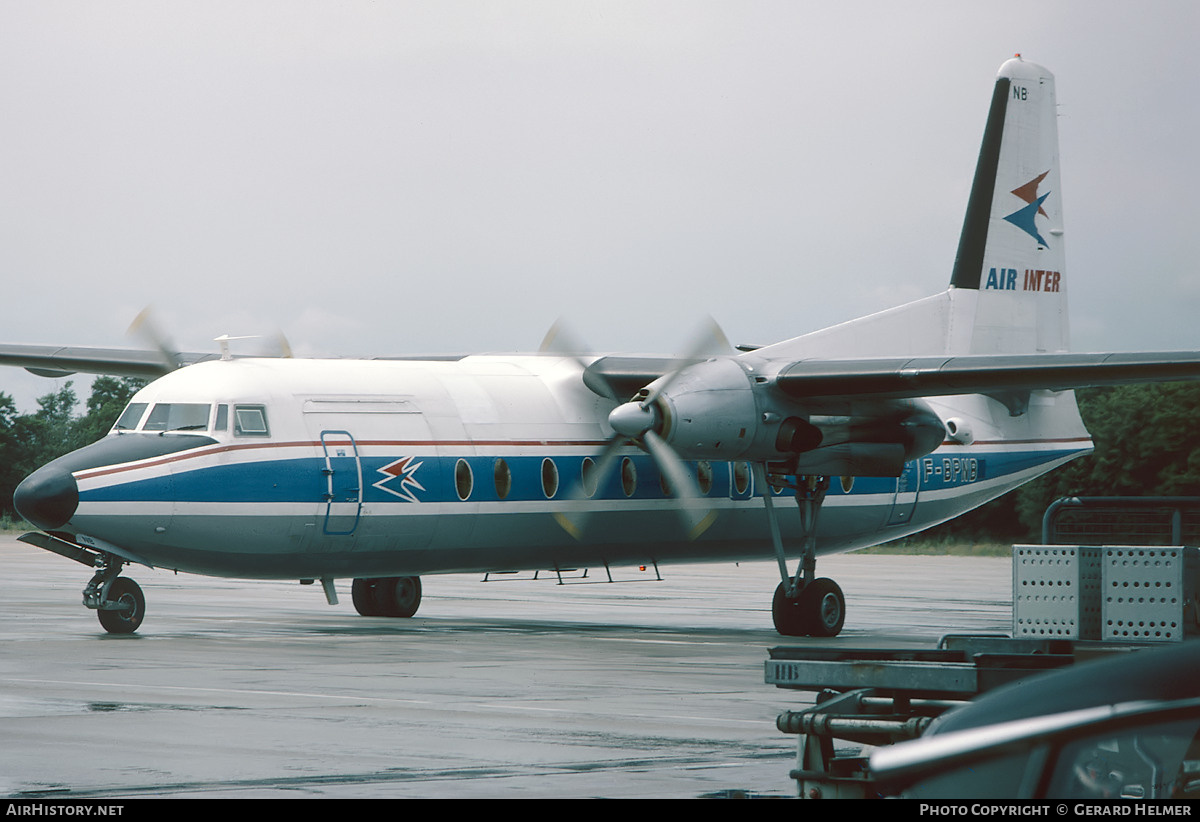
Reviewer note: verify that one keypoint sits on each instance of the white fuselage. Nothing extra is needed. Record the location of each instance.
(347, 468)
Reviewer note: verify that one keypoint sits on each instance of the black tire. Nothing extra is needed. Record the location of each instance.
(386, 596)
(400, 596)
(788, 614)
(825, 607)
(128, 618)
(365, 595)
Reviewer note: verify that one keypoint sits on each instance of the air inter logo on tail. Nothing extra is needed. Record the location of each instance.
(1026, 218)
(1034, 279)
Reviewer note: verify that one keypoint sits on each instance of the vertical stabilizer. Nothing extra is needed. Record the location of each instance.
(1011, 248)
(1008, 290)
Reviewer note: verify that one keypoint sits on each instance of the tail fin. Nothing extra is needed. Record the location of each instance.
(1007, 291)
(1011, 248)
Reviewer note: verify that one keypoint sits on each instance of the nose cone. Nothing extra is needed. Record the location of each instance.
(48, 497)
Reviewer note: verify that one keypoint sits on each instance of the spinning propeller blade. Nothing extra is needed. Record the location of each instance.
(708, 341)
(143, 326)
(636, 421)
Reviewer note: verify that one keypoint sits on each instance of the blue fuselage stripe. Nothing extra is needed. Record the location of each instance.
(432, 479)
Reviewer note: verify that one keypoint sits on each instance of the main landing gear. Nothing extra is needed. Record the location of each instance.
(386, 596)
(818, 610)
(803, 605)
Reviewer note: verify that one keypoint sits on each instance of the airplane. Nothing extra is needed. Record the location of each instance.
(386, 470)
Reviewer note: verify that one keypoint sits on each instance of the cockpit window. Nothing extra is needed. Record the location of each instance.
(131, 416)
(250, 421)
(178, 416)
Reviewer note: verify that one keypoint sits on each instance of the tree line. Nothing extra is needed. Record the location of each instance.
(1147, 444)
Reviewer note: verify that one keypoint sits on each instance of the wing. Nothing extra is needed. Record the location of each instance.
(1008, 378)
(60, 361)
(622, 376)
(909, 377)
(855, 417)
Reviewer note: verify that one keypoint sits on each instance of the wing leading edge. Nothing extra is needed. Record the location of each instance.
(61, 361)
(1001, 376)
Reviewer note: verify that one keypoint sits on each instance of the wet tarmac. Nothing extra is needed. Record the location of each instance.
(504, 689)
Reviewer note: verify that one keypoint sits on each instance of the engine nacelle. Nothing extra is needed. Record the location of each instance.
(721, 410)
(709, 411)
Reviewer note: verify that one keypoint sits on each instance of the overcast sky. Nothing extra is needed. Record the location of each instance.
(415, 177)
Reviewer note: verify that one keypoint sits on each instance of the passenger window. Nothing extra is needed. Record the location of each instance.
(464, 480)
(549, 478)
(250, 421)
(503, 477)
(628, 477)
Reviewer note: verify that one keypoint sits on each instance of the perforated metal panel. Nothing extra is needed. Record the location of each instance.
(1056, 591)
(1149, 593)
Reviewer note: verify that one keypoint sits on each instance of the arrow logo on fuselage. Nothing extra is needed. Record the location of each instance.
(399, 480)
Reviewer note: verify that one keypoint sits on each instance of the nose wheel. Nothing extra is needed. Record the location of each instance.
(123, 607)
(118, 601)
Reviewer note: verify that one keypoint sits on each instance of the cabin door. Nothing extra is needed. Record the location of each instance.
(343, 483)
(907, 486)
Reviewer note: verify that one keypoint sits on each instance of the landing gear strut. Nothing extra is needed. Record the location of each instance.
(803, 605)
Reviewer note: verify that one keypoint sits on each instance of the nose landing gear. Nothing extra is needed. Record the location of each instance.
(118, 601)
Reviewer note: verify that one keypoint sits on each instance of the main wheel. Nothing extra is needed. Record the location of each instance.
(386, 596)
(125, 619)
(825, 607)
(788, 614)
(399, 596)
(366, 598)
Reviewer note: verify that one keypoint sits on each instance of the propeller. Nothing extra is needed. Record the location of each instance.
(636, 421)
(560, 341)
(709, 341)
(143, 326)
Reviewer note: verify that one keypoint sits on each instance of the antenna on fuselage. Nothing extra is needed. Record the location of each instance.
(284, 349)
(224, 341)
